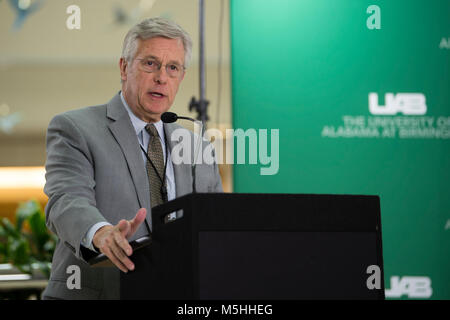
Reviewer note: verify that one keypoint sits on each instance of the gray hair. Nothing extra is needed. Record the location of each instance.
(152, 28)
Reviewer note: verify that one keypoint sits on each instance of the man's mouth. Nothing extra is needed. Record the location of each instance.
(157, 95)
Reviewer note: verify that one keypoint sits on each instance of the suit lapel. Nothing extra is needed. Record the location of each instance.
(122, 130)
(182, 172)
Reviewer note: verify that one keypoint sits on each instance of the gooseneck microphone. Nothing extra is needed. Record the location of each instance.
(170, 117)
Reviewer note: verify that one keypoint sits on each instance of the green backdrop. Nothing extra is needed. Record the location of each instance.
(307, 67)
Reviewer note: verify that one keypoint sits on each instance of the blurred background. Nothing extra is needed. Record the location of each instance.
(47, 68)
(304, 67)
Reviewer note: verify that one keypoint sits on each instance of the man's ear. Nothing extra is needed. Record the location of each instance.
(123, 65)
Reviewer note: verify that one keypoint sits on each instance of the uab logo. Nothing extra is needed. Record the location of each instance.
(412, 287)
(406, 103)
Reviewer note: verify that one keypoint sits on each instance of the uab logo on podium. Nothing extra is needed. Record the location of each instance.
(406, 103)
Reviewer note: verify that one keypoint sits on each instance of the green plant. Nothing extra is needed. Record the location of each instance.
(28, 244)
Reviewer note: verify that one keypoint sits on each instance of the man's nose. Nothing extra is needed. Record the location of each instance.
(161, 75)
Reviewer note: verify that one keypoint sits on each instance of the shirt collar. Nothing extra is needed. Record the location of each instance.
(139, 124)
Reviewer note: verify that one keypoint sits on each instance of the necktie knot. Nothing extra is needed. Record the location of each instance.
(151, 129)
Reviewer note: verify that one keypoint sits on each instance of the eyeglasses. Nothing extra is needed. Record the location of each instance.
(173, 70)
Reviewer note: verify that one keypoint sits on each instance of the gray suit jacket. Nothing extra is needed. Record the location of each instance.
(95, 172)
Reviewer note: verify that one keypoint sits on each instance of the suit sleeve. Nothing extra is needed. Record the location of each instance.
(70, 185)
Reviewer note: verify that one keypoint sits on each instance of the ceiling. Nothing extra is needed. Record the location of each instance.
(46, 69)
(44, 37)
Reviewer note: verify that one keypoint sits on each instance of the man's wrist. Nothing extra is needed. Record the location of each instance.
(89, 237)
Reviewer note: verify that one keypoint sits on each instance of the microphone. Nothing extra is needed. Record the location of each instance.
(170, 117)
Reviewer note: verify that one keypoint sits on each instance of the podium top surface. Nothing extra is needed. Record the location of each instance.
(256, 211)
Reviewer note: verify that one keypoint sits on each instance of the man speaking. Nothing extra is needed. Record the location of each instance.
(108, 165)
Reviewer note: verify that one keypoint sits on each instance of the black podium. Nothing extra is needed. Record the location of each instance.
(260, 246)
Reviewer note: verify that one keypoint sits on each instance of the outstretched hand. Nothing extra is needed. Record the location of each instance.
(113, 240)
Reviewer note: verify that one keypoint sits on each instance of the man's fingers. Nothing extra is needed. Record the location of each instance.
(107, 251)
(123, 259)
(123, 243)
(124, 227)
(116, 246)
(137, 220)
(139, 217)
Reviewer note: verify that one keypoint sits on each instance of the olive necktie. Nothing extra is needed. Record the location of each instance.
(155, 168)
